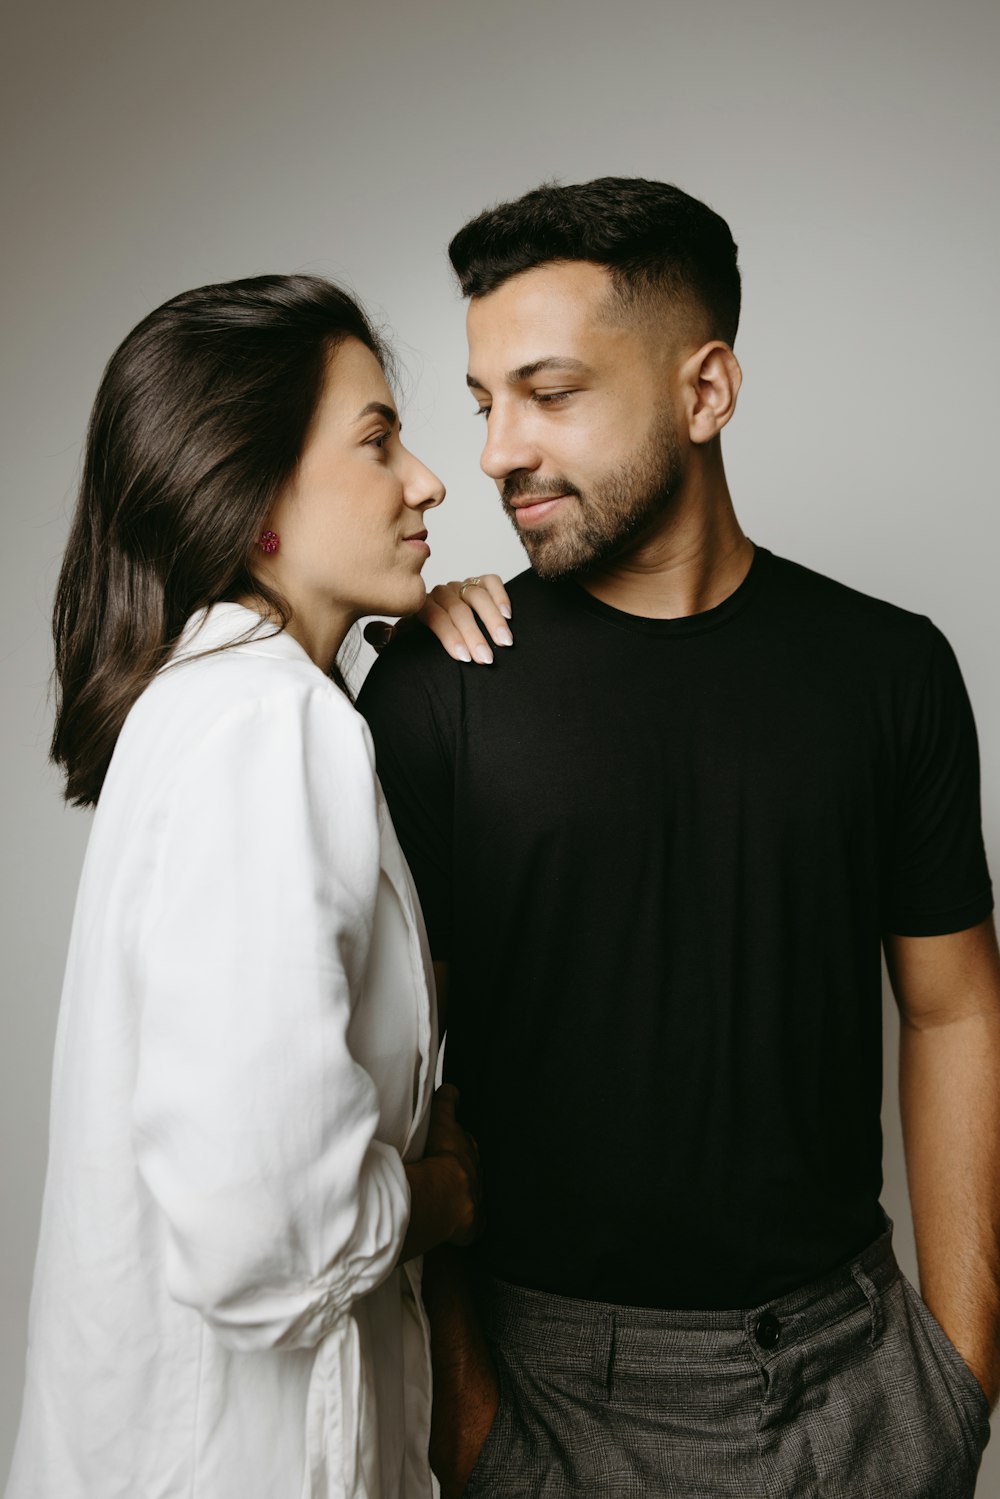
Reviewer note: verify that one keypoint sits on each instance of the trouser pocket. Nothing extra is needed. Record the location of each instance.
(971, 1405)
(486, 1478)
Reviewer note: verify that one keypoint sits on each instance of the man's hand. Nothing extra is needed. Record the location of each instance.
(445, 1189)
(446, 1137)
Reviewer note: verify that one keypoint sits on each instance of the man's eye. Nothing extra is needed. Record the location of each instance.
(551, 397)
(483, 410)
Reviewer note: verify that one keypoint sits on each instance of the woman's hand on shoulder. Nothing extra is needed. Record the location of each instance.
(458, 613)
(455, 611)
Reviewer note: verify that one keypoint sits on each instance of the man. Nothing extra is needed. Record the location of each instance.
(659, 844)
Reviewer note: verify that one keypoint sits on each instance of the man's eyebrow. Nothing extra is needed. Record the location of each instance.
(379, 408)
(526, 371)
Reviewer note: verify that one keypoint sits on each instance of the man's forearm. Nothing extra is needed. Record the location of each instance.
(466, 1392)
(950, 1100)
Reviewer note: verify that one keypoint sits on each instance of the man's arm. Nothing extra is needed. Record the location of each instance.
(413, 705)
(466, 1393)
(948, 992)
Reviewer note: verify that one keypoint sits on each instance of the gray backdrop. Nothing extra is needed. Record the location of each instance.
(149, 148)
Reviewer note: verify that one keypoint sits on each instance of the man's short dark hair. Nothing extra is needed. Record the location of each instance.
(653, 238)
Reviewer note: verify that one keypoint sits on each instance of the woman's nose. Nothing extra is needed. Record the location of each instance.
(423, 489)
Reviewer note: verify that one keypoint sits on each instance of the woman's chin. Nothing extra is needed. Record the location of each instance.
(407, 598)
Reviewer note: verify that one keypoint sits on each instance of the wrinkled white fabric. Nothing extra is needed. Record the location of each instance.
(245, 1057)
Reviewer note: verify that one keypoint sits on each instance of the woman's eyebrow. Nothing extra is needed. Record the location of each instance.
(379, 408)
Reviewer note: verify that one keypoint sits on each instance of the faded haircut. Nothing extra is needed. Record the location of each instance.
(657, 242)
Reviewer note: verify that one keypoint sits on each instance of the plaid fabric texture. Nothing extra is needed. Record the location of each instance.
(846, 1389)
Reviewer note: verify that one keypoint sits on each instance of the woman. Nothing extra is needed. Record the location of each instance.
(241, 1177)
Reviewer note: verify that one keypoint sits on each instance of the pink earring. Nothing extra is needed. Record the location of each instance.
(268, 541)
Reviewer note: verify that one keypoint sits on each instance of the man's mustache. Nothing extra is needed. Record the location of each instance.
(521, 483)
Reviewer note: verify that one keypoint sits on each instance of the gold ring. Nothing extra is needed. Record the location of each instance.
(469, 583)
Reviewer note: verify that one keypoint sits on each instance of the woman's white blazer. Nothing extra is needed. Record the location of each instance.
(245, 1058)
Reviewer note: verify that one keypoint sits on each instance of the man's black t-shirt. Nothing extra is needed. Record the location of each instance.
(659, 856)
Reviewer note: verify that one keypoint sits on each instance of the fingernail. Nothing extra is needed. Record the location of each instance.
(460, 653)
(483, 655)
(505, 611)
(503, 637)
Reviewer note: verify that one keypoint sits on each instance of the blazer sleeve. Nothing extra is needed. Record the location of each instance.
(254, 1126)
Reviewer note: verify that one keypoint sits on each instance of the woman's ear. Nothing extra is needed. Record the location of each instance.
(710, 381)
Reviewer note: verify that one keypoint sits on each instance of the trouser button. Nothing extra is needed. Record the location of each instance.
(768, 1330)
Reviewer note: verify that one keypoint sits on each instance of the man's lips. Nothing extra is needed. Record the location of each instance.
(534, 508)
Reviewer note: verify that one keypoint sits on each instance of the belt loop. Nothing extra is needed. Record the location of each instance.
(603, 1354)
(874, 1301)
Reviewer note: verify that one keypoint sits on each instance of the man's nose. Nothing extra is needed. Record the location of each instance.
(507, 446)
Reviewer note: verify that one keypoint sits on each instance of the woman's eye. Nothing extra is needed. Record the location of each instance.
(483, 410)
(380, 442)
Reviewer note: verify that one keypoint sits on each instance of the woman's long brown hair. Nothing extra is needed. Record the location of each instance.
(198, 424)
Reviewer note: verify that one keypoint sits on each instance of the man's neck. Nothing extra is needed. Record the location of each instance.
(694, 560)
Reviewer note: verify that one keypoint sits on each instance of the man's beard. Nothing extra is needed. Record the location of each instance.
(615, 511)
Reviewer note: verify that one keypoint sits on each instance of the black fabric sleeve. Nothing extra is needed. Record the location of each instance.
(939, 881)
(414, 725)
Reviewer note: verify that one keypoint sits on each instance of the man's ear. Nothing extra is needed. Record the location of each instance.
(710, 381)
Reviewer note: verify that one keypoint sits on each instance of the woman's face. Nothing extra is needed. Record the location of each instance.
(352, 538)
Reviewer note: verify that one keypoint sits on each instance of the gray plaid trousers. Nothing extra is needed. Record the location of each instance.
(846, 1389)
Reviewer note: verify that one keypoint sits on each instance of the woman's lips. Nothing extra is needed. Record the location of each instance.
(529, 512)
(419, 541)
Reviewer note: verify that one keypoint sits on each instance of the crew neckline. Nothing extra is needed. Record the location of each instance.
(685, 624)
